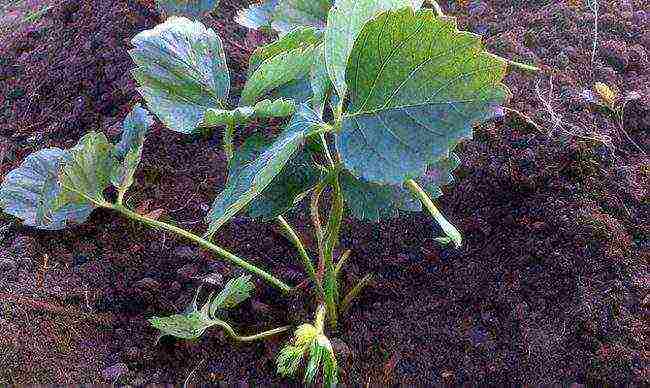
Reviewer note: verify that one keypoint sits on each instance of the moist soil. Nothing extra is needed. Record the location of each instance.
(550, 287)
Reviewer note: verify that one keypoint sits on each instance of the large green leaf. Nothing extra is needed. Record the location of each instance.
(369, 201)
(277, 71)
(299, 37)
(416, 86)
(87, 168)
(32, 193)
(128, 151)
(291, 13)
(181, 71)
(246, 181)
(242, 115)
(189, 8)
(344, 23)
(298, 176)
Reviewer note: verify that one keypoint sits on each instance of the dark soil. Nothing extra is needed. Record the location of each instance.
(551, 287)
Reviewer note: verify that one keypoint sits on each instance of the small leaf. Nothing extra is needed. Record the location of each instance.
(277, 71)
(32, 193)
(181, 71)
(188, 8)
(190, 326)
(320, 81)
(407, 109)
(344, 23)
(243, 115)
(292, 13)
(257, 16)
(247, 181)
(235, 291)
(299, 37)
(128, 152)
(87, 168)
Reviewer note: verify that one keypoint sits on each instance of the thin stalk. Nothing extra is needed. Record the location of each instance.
(306, 260)
(231, 332)
(203, 243)
(449, 229)
(342, 260)
(332, 233)
(521, 66)
(326, 147)
(315, 220)
(354, 293)
(437, 8)
(228, 135)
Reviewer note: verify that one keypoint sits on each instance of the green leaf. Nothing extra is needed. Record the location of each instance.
(87, 168)
(243, 115)
(344, 23)
(32, 193)
(292, 13)
(277, 71)
(190, 326)
(235, 291)
(370, 201)
(189, 8)
(128, 151)
(299, 37)
(257, 16)
(298, 176)
(320, 81)
(417, 85)
(246, 181)
(182, 72)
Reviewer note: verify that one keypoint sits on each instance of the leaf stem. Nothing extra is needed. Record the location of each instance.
(306, 260)
(315, 220)
(522, 66)
(203, 243)
(449, 229)
(437, 8)
(249, 338)
(228, 134)
(326, 147)
(332, 234)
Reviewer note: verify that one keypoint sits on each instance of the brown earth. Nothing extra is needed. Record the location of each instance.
(552, 285)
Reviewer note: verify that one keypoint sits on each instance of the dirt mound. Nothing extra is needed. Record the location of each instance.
(551, 286)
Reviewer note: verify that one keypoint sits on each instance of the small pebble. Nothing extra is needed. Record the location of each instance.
(113, 372)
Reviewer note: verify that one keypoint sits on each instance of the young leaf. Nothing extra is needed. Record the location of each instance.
(128, 151)
(190, 326)
(235, 291)
(87, 168)
(181, 71)
(32, 193)
(243, 115)
(257, 16)
(248, 180)
(320, 81)
(416, 86)
(188, 8)
(291, 13)
(344, 23)
(299, 37)
(277, 71)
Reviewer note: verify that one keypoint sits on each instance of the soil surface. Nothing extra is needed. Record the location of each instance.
(551, 287)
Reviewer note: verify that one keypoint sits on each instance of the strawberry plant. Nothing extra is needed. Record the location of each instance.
(377, 94)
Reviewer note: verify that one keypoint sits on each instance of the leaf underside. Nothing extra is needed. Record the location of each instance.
(182, 72)
(246, 181)
(32, 193)
(188, 8)
(416, 87)
(128, 152)
(369, 201)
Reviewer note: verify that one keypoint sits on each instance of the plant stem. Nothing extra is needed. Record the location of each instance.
(326, 147)
(315, 220)
(205, 244)
(228, 133)
(332, 233)
(250, 338)
(521, 66)
(437, 8)
(306, 260)
(449, 229)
